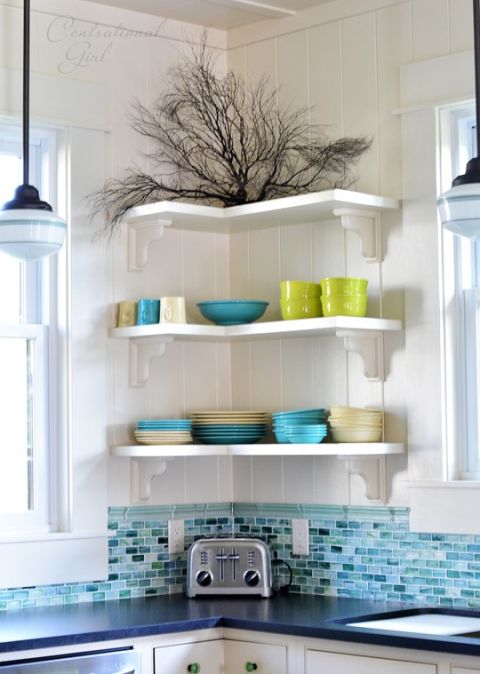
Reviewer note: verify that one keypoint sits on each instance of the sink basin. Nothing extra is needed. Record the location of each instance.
(423, 622)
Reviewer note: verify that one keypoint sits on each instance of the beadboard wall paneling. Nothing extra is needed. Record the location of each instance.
(428, 43)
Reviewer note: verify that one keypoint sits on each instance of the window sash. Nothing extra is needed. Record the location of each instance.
(38, 517)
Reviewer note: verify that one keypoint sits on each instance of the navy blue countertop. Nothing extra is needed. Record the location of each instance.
(301, 615)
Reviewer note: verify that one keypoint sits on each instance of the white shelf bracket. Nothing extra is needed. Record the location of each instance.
(367, 225)
(372, 471)
(140, 236)
(143, 471)
(369, 345)
(142, 352)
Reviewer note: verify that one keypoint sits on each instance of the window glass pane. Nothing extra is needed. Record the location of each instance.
(10, 268)
(16, 404)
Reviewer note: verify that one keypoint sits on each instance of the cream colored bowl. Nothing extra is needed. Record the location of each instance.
(356, 435)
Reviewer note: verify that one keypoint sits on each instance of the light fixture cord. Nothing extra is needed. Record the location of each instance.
(476, 41)
(26, 90)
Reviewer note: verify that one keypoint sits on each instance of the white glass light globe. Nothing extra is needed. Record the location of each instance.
(29, 234)
(459, 210)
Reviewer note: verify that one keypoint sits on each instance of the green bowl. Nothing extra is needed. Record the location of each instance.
(343, 285)
(306, 308)
(344, 305)
(299, 290)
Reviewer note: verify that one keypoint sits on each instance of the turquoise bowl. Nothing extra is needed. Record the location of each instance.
(232, 312)
(307, 434)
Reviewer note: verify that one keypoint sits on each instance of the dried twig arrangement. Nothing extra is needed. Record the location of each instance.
(218, 141)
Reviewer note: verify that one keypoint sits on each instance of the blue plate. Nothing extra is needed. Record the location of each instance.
(258, 434)
(229, 440)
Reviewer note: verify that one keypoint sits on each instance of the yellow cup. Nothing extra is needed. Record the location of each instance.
(127, 314)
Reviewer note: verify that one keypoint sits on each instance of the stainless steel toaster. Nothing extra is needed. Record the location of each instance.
(229, 566)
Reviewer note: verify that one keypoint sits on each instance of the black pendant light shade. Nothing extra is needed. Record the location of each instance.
(28, 227)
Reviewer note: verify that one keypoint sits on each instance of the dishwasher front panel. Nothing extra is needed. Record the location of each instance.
(119, 661)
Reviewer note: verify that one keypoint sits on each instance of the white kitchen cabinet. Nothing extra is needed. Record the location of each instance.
(321, 662)
(203, 657)
(247, 657)
(464, 670)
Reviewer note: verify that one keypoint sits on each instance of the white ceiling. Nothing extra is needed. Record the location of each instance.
(221, 14)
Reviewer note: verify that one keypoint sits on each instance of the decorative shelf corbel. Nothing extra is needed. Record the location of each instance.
(142, 352)
(367, 225)
(143, 471)
(369, 345)
(372, 471)
(141, 233)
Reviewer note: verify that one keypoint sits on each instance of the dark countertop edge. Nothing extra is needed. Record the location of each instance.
(111, 634)
(460, 645)
(328, 628)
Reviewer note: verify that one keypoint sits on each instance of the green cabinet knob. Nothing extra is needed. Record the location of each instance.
(194, 668)
(250, 666)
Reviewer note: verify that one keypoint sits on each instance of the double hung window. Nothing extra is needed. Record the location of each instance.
(28, 328)
(461, 302)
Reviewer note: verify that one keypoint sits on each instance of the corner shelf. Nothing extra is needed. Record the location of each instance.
(361, 335)
(366, 460)
(340, 449)
(357, 211)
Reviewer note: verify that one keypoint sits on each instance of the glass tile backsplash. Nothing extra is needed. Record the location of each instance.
(361, 552)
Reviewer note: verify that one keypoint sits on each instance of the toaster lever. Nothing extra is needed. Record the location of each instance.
(234, 557)
(221, 557)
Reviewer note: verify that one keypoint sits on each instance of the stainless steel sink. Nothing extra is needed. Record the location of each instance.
(421, 621)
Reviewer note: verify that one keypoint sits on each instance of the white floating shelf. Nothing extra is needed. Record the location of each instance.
(344, 449)
(360, 335)
(296, 328)
(285, 211)
(357, 211)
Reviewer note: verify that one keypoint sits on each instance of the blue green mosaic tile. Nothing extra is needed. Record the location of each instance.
(356, 552)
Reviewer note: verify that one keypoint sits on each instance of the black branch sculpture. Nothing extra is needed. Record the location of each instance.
(219, 141)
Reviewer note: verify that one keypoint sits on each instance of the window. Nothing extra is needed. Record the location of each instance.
(27, 352)
(461, 301)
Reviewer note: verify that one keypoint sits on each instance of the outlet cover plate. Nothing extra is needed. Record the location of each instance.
(300, 537)
(176, 536)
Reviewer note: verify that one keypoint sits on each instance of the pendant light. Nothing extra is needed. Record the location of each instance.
(459, 207)
(28, 228)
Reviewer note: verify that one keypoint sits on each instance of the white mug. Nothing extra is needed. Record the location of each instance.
(172, 310)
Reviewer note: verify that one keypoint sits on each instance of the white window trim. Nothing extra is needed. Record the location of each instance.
(438, 501)
(78, 551)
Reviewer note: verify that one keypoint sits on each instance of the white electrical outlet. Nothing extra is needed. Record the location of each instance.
(300, 537)
(176, 536)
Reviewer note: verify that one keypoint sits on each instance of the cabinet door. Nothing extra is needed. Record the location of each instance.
(320, 662)
(203, 657)
(245, 657)
(464, 670)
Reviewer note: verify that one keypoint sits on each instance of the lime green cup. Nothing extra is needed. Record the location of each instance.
(344, 305)
(309, 307)
(343, 285)
(299, 290)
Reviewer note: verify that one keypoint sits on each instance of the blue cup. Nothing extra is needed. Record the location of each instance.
(148, 312)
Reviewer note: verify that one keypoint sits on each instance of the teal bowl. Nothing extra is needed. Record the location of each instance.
(232, 312)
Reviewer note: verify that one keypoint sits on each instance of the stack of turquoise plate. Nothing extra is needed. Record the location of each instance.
(163, 431)
(302, 426)
(228, 427)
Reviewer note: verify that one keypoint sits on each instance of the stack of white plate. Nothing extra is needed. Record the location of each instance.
(228, 427)
(163, 431)
(356, 424)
